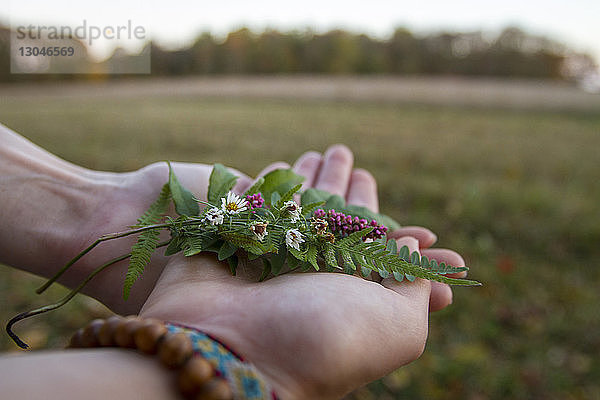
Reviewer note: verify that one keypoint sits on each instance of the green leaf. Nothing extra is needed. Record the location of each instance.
(329, 255)
(415, 258)
(183, 198)
(365, 272)
(392, 247)
(312, 195)
(220, 183)
(147, 241)
(308, 209)
(297, 254)
(156, 210)
(289, 195)
(292, 262)
(404, 253)
(275, 198)
(399, 276)
(233, 263)
(141, 252)
(334, 202)
(280, 181)
(226, 250)
(349, 266)
(354, 238)
(311, 256)
(174, 247)
(192, 245)
(278, 259)
(266, 270)
(255, 188)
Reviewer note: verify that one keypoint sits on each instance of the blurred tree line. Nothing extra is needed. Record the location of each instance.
(512, 53)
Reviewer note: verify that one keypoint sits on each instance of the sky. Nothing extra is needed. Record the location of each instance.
(177, 23)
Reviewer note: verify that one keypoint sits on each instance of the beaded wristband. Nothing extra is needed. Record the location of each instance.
(205, 368)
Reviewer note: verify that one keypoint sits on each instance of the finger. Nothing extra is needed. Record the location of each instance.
(446, 256)
(308, 166)
(416, 292)
(363, 190)
(425, 237)
(334, 175)
(244, 184)
(441, 294)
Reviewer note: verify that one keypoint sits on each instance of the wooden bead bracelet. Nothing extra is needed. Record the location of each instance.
(196, 376)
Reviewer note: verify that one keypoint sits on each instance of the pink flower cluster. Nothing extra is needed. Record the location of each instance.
(255, 201)
(346, 224)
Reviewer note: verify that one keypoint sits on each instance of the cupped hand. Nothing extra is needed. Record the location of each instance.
(313, 335)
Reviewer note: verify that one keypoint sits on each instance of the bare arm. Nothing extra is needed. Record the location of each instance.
(85, 374)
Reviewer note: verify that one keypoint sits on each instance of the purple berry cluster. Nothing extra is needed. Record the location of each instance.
(346, 224)
(255, 201)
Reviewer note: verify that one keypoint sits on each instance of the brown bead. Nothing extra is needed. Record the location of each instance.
(75, 341)
(175, 349)
(147, 336)
(195, 373)
(215, 389)
(89, 336)
(124, 331)
(106, 334)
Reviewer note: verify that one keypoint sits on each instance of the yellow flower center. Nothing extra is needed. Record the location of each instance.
(231, 207)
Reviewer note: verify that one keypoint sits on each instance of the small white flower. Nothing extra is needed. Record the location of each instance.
(214, 216)
(259, 229)
(293, 238)
(233, 204)
(292, 209)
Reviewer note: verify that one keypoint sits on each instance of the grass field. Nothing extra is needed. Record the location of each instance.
(515, 191)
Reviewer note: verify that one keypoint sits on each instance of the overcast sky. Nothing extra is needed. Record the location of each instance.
(176, 23)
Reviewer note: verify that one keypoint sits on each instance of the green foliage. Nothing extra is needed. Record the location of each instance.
(256, 187)
(287, 196)
(220, 183)
(148, 240)
(226, 250)
(185, 204)
(140, 257)
(279, 181)
(156, 210)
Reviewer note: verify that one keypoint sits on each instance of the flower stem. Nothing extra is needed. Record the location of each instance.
(64, 300)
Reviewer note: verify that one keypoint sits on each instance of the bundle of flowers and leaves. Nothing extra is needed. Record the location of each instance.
(272, 221)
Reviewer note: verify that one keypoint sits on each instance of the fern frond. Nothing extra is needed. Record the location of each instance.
(378, 257)
(244, 241)
(140, 257)
(157, 209)
(289, 195)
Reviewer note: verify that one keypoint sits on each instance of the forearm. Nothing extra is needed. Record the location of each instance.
(43, 199)
(85, 374)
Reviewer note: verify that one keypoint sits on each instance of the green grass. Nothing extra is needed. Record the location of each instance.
(517, 193)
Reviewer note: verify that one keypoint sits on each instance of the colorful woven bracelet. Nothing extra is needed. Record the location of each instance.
(205, 368)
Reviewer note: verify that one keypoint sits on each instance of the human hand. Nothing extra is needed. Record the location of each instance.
(311, 334)
(333, 172)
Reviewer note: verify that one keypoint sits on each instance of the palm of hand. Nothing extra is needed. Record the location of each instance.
(314, 335)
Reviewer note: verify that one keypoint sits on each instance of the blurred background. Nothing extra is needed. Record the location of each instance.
(480, 123)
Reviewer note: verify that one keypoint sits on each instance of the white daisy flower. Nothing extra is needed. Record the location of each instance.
(233, 204)
(214, 216)
(293, 238)
(259, 229)
(292, 209)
